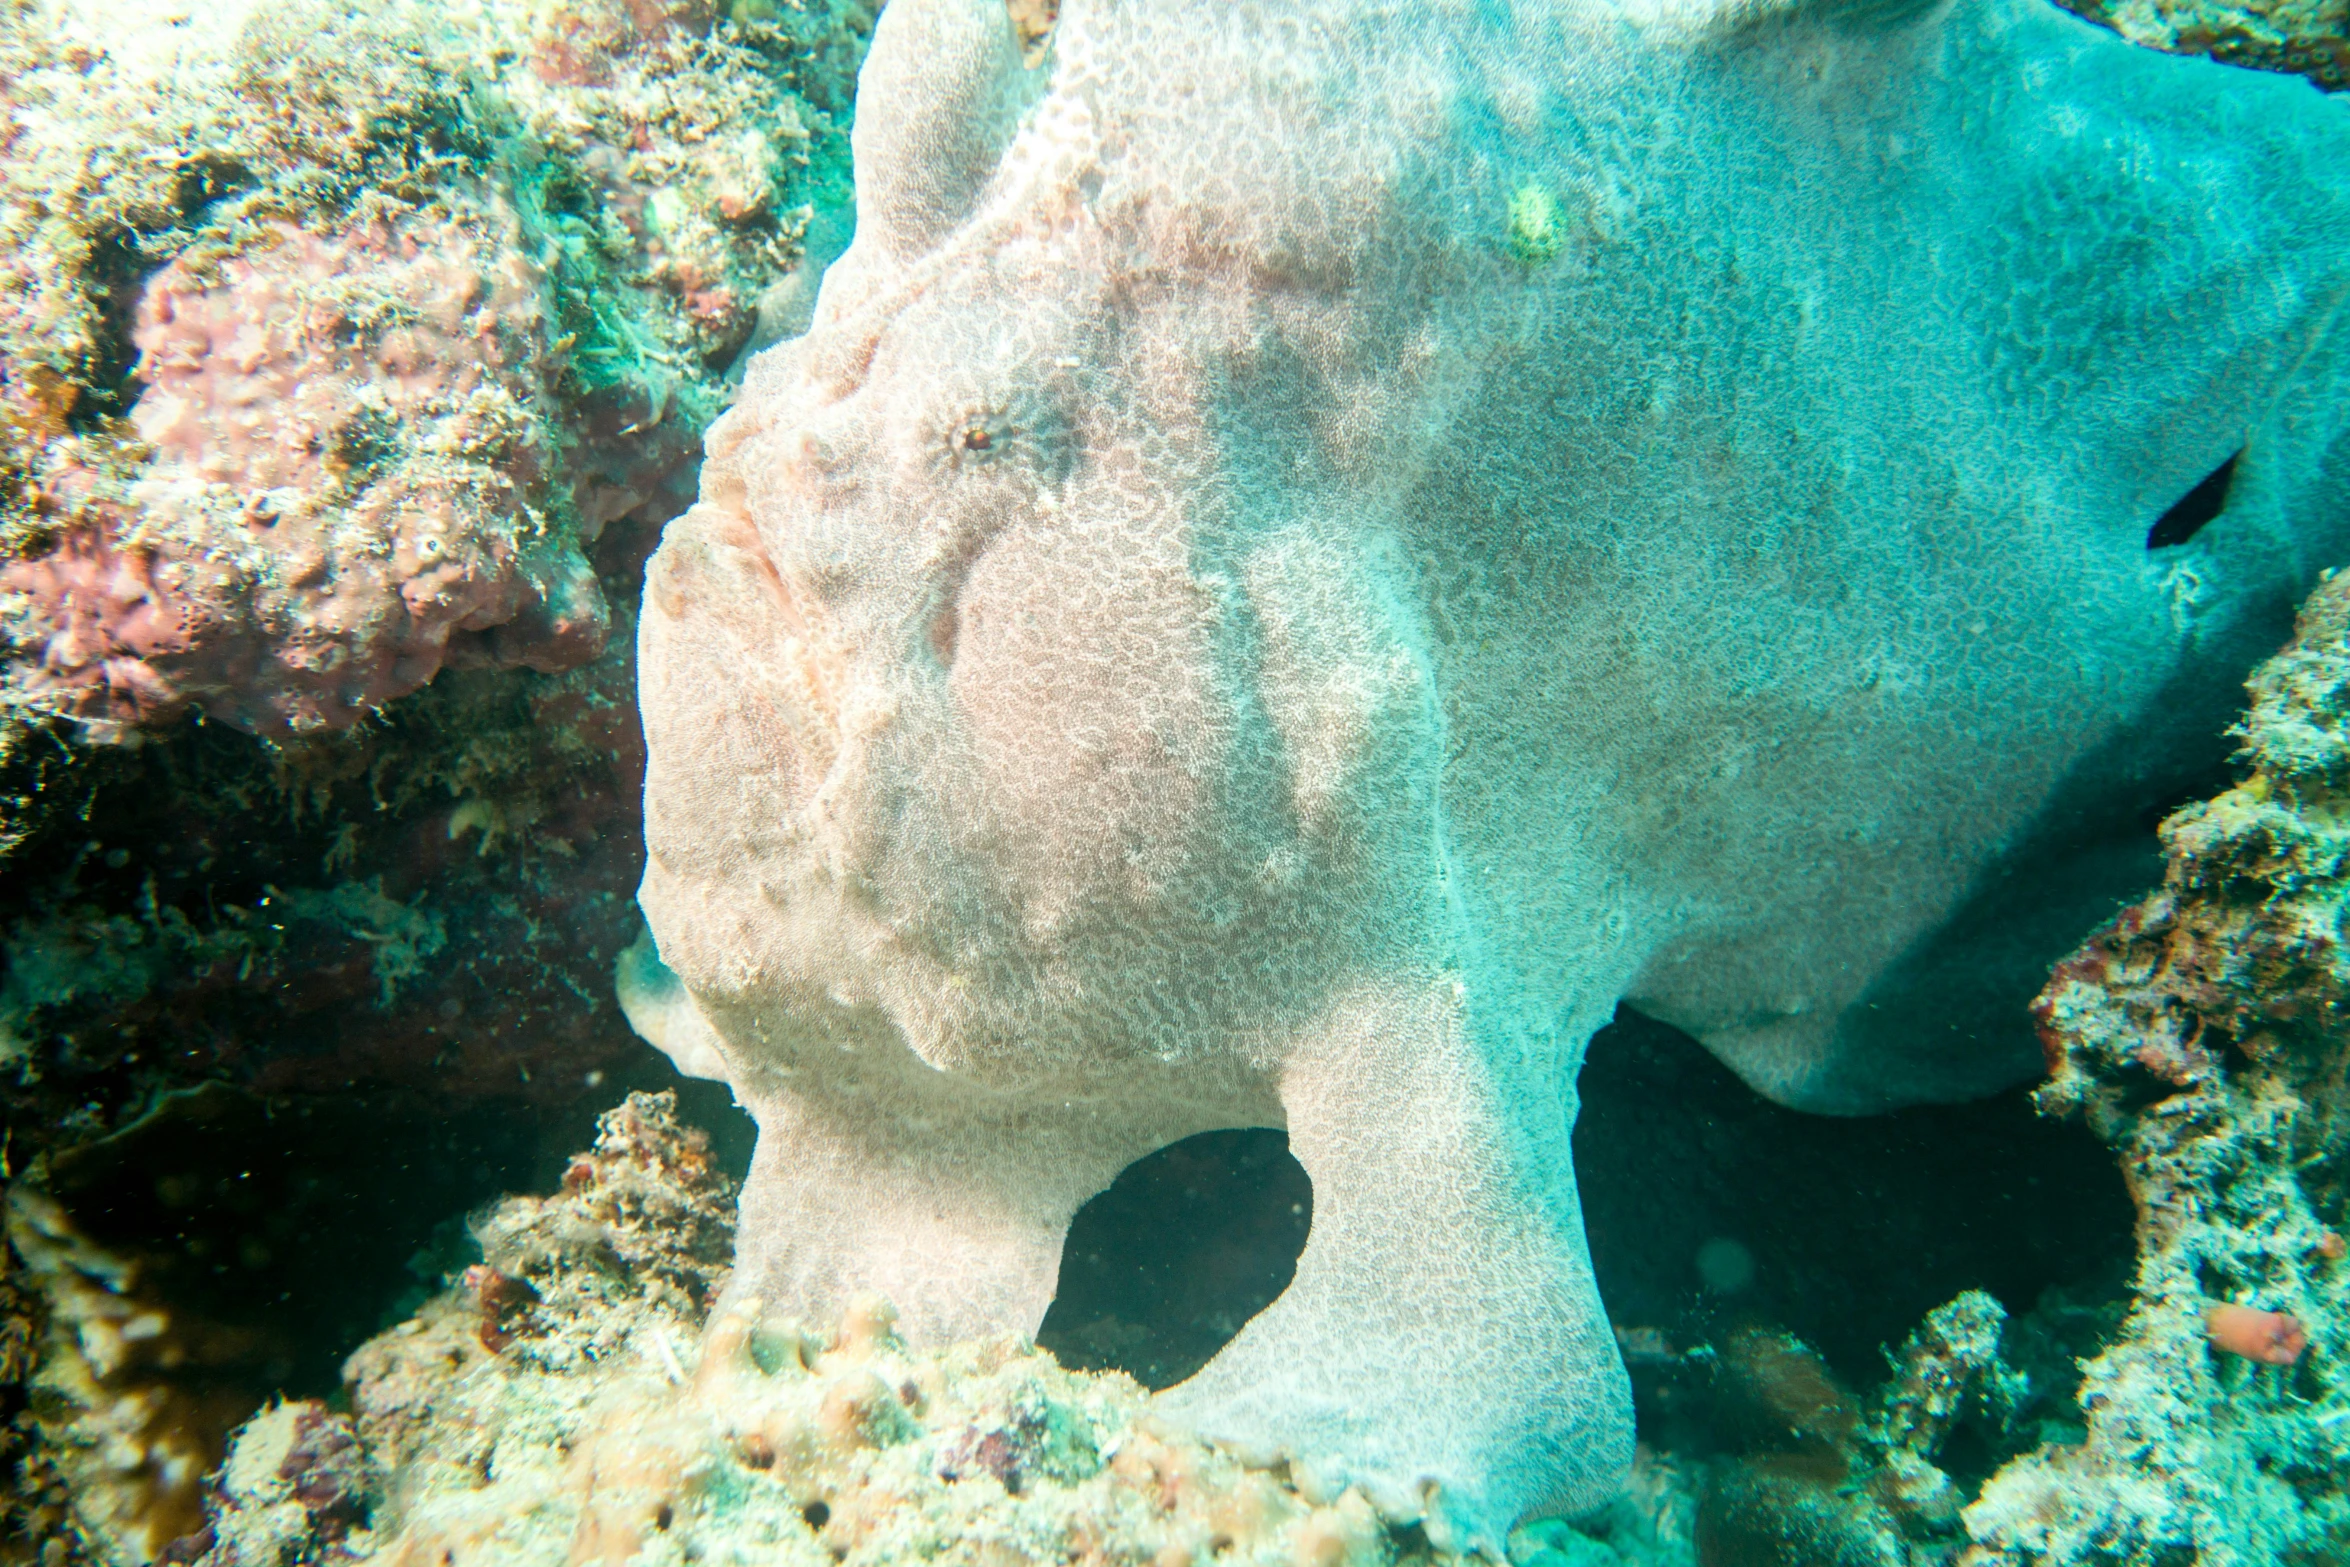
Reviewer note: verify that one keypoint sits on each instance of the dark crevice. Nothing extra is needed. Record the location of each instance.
(294, 1227)
(2192, 510)
(286, 1227)
(205, 182)
(117, 269)
(2210, 783)
(1846, 1232)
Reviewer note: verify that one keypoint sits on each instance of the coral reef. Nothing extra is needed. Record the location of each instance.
(218, 1250)
(548, 1410)
(294, 1486)
(1758, 1455)
(338, 343)
(432, 902)
(388, 274)
(1237, 615)
(2201, 1035)
(345, 456)
(2309, 38)
(548, 1407)
(332, 337)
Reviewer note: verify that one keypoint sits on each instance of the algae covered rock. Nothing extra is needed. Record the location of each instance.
(2203, 1034)
(342, 344)
(2309, 38)
(550, 1409)
(332, 338)
(338, 344)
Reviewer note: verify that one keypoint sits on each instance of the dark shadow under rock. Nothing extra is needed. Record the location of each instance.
(1707, 1206)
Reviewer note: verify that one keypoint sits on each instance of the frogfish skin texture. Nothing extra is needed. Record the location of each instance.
(1315, 549)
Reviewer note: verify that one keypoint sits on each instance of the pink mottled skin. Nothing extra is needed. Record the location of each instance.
(1223, 621)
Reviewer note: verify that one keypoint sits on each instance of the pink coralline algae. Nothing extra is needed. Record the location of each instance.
(2272, 1338)
(340, 496)
(338, 343)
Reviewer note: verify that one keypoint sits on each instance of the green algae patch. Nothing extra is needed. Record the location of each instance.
(1538, 225)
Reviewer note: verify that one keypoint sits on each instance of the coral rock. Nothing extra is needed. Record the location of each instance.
(289, 422)
(346, 438)
(592, 1440)
(294, 1486)
(2309, 38)
(2201, 1034)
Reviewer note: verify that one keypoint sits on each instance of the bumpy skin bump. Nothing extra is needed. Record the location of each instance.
(1215, 626)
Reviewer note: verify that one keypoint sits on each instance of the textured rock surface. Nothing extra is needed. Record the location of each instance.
(2309, 38)
(179, 1274)
(394, 939)
(544, 1412)
(331, 337)
(345, 453)
(2202, 1035)
(1281, 586)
